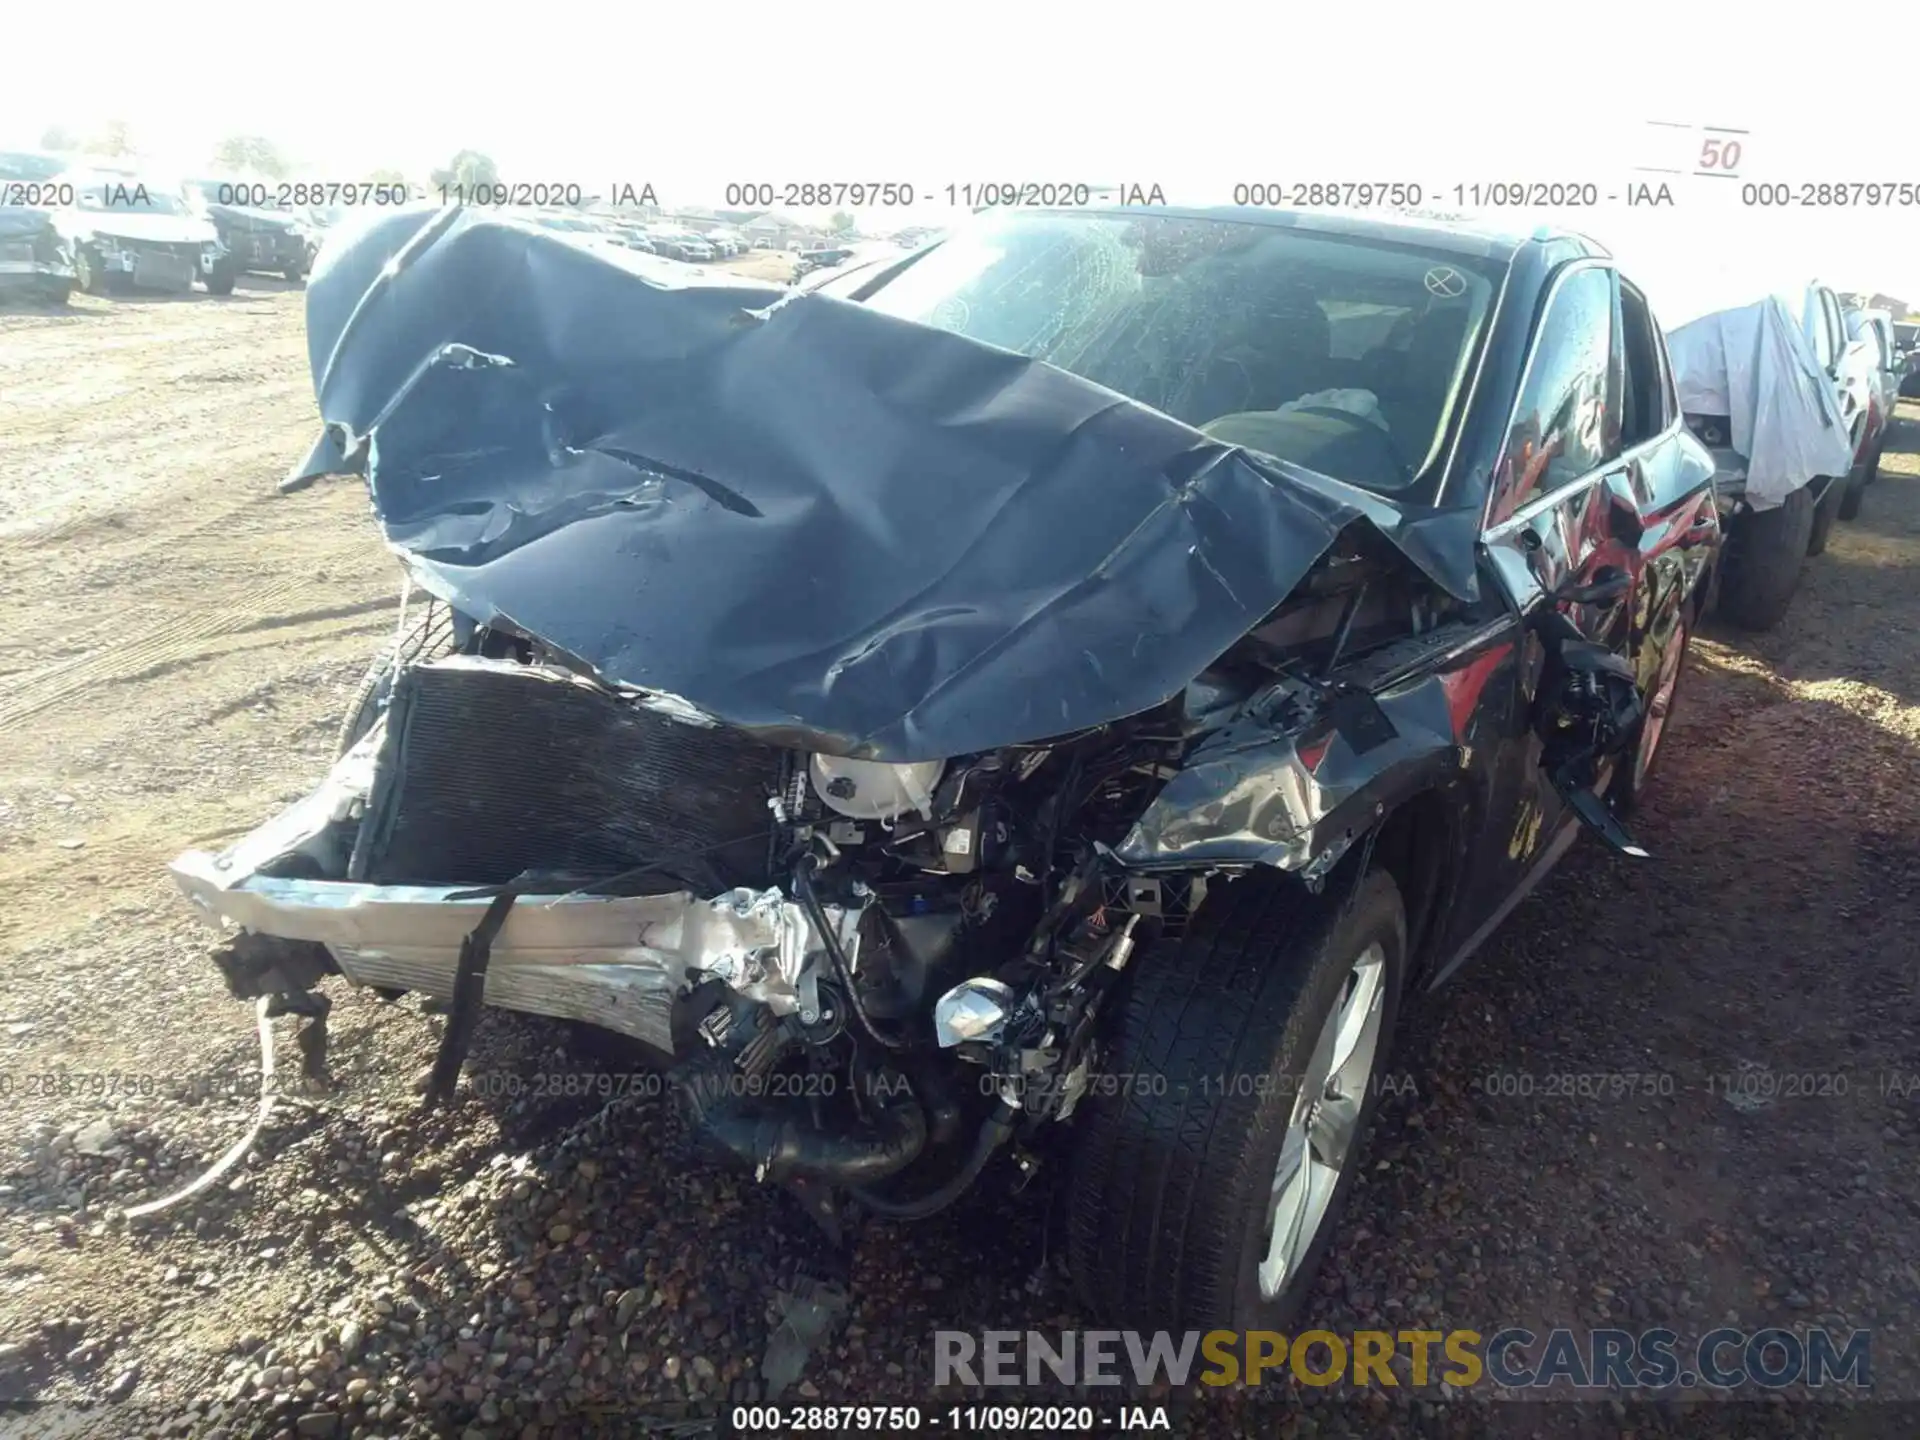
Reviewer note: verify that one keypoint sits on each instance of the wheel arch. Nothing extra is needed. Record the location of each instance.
(1419, 844)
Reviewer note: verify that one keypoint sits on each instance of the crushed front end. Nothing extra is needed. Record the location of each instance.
(768, 923)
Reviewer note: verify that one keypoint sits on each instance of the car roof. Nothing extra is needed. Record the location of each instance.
(1465, 237)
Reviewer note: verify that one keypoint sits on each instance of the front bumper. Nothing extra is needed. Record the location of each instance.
(35, 278)
(620, 962)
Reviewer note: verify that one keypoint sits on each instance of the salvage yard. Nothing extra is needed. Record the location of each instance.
(1683, 1091)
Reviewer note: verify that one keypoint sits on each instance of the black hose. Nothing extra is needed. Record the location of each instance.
(994, 1131)
(843, 972)
(783, 1142)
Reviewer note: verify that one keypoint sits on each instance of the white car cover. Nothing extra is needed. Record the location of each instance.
(1753, 365)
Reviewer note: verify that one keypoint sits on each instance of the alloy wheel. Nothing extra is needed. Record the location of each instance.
(1325, 1124)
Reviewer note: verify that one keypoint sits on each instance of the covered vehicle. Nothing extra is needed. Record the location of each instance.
(123, 230)
(259, 238)
(1060, 696)
(1757, 394)
(35, 263)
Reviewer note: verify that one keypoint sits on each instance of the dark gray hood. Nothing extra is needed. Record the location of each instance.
(808, 519)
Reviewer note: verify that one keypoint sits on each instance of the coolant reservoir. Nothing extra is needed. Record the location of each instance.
(869, 790)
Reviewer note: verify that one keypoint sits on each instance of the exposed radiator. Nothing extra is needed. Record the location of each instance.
(491, 768)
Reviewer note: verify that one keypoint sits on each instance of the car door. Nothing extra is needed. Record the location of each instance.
(1597, 528)
(1554, 473)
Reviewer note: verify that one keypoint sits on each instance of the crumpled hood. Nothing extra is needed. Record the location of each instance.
(813, 521)
(137, 225)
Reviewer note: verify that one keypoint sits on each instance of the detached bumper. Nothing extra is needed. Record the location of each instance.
(619, 962)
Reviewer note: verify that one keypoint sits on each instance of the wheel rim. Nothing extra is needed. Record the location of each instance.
(1660, 706)
(1325, 1122)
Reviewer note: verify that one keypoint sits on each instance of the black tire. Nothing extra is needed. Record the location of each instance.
(89, 272)
(1168, 1196)
(1832, 500)
(1855, 494)
(429, 632)
(295, 274)
(58, 293)
(1761, 563)
(220, 280)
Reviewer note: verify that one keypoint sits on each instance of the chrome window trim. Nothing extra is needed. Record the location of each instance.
(1541, 503)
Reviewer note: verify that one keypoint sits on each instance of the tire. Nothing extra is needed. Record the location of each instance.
(58, 293)
(428, 633)
(1855, 494)
(1863, 475)
(1827, 511)
(220, 280)
(295, 274)
(89, 272)
(1168, 1197)
(1764, 552)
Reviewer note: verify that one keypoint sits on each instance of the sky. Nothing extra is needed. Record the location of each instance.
(1194, 98)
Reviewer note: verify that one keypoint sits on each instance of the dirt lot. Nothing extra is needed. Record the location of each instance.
(177, 642)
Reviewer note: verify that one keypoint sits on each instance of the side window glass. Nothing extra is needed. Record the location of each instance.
(1643, 397)
(1560, 424)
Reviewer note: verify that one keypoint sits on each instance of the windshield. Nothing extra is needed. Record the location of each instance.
(126, 195)
(1338, 353)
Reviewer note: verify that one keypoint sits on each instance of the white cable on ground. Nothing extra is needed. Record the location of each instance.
(245, 1143)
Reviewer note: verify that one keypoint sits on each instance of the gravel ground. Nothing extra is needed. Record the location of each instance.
(176, 644)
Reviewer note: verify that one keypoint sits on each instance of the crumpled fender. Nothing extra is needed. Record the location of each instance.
(1297, 781)
(819, 523)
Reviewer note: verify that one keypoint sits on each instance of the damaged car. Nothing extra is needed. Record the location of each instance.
(125, 231)
(1055, 705)
(258, 238)
(34, 260)
(1762, 390)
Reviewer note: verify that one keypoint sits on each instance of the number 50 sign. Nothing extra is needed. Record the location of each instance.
(1713, 152)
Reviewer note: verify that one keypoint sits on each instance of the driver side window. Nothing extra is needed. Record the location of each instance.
(1561, 426)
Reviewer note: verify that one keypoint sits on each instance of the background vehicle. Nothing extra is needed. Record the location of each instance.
(821, 257)
(1758, 383)
(32, 166)
(123, 230)
(1356, 735)
(1849, 363)
(678, 245)
(1906, 336)
(1872, 331)
(257, 239)
(35, 262)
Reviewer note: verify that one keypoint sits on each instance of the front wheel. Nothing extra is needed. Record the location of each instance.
(220, 280)
(90, 271)
(1205, 1192)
